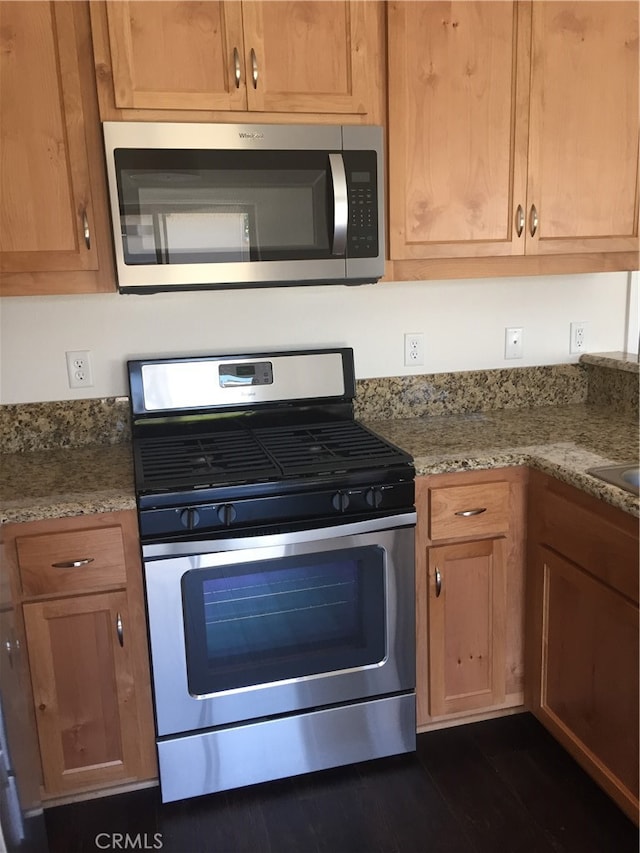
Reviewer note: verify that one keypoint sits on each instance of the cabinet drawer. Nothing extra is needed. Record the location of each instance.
(73, 561)
(457, 512)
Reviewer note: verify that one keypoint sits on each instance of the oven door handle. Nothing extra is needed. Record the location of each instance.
(159, 550)
(340, 204)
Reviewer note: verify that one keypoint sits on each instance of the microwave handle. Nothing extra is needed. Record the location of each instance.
(340, 204)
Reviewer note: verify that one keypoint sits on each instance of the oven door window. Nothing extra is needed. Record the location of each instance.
(258, 623)
(203, 206)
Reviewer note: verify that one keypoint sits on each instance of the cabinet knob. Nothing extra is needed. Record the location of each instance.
(438, 583)
(236, 63)
(85, 229)
(533, 220)
(73, 564)
(519, 220)
(120, 629)
(465, 513)
(254, 68)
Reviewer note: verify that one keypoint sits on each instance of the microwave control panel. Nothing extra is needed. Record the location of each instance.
(362, 231)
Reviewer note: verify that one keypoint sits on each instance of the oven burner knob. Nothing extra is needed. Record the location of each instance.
(190, 518)
(340, 501)
(373, 498)
(227, 514)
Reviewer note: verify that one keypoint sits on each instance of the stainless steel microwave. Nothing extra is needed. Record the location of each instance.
(197, 206)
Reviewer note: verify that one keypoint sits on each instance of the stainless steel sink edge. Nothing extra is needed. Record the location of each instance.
(624, 475)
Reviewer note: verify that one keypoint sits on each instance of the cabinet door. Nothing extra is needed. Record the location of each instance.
(46, 207)
(177, 54)
(589, 678)
(458, 89)
(467, 604)
(583, 143)
(308, 56)
(84, 691)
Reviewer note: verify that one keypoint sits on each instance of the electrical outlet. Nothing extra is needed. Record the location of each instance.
(578, 342)
(79, 369)
(413, 348)
(513, 343)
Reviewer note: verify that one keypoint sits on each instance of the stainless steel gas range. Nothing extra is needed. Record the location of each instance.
(278, 548)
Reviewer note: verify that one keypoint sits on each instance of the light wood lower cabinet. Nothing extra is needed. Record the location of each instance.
(469, 594)
(84, 691)
(582, 632)
(79, 581)
(466, 608)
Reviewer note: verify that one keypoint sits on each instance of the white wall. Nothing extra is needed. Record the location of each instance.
(463, 323)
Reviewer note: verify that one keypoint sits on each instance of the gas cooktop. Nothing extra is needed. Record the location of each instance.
(230, 442)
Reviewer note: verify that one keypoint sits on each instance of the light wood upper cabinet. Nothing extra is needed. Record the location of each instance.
(280, 57)
(458, 77)
(513, 130)
(583, 131)
(176, 55)
(53, 224)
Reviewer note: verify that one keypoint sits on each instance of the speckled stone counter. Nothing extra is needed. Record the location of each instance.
(64, 482)
(564, 441)
(74, 457)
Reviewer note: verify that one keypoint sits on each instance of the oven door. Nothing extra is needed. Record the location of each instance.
(252, 628)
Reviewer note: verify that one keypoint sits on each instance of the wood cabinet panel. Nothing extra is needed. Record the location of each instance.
(44, 151)
(458, 82)
(53, 226)
(71, 561)
(467, 625)
(470, 638)
(83, 689)
(582, 631)
(92, 693)
(513, 137)
(324, 66)
(176, 55)
(583, 143)
(466, 511)
(590, 667)
(212, 60)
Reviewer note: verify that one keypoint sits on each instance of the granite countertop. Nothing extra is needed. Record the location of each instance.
(563, 441)
(64, 482)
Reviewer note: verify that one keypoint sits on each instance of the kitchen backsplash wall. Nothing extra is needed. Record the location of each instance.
(25, 427)
(613, 383)
(73, 423)
(463, 323)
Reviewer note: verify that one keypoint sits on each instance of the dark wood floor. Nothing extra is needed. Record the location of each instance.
(502, 786)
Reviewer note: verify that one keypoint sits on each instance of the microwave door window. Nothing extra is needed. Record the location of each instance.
(220, 212)
(221, 234)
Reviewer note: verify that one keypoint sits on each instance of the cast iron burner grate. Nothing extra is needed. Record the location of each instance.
(201, 460)
(265, 453)
(335, 446)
